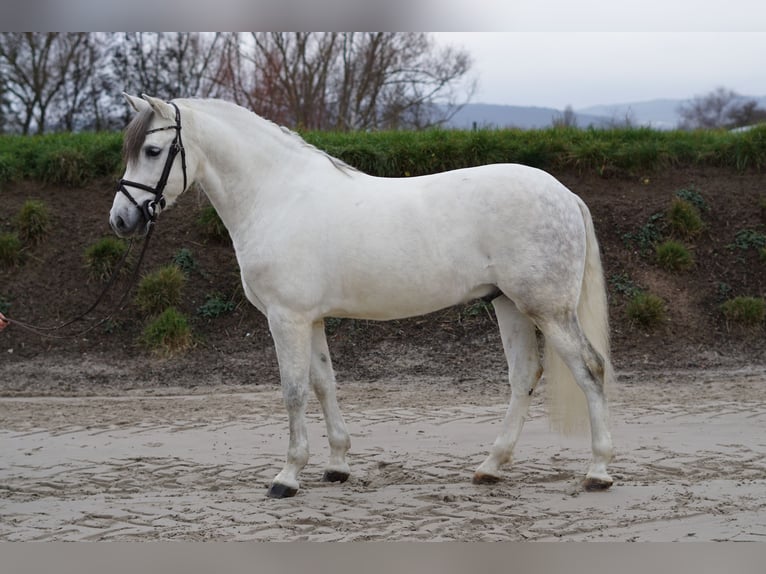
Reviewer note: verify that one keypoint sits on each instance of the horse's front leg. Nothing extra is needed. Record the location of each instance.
(322, 379)
(292, 339)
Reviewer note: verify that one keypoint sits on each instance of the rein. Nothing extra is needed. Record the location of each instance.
(150, 209)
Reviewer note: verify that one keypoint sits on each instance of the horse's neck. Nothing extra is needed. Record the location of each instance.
(247, 162)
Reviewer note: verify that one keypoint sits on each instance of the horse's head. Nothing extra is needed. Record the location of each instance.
(156, 166)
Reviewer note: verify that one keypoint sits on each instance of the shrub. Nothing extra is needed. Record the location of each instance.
(673, 256)
(184, 260)
(622, 283)
(647, 235)
(749, 239)
(211, 226)
(160, 289)
(646, 310)
(167, 334)
(215, 305)
(102, 257)
(745, 311)
(684, 219)
(10, 250)
(33, 221)
(694, 197)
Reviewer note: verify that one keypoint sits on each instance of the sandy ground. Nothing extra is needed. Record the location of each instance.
(194, 465)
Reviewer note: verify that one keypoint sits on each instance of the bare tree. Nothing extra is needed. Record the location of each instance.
(746, 114)
(329, 80)
(36, 67)
(165, 64)
(77, 102)
(170, 64)
(721, 108)
(345, 80)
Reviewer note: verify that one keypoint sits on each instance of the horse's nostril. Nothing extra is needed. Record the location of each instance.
(117, 223)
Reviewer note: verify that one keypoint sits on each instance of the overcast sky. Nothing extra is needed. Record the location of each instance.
(549, 53)
(556, 69)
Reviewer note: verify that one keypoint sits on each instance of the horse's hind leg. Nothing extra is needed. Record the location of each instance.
(520, 345)
(587, 366)
(322, 378)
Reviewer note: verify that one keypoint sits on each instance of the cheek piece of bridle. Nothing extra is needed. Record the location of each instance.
(151, 207)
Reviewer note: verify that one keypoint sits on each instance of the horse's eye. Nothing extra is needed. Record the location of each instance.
(152, 151)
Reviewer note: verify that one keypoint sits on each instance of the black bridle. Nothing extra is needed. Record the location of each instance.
(152, 207)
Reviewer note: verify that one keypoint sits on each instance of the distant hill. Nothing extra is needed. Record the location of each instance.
(523, 117)
(659, 114)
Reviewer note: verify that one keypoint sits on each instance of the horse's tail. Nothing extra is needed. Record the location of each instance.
(568, 407)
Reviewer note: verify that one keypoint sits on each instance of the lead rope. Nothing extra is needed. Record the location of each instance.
(47, 330)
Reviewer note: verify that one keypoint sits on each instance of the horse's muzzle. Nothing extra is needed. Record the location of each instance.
(125, 226)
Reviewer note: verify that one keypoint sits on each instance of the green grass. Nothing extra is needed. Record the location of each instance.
(167, 334)
(646, 310)
(102, 257)
(674, 256)
(33, 221)
(63, 158)
(76, 159)
(160, 289)
(10, 250)
(745, 311)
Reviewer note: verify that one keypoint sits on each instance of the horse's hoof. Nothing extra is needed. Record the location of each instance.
(596, 484)
(334, 476)
(481, 478)
(277, 490)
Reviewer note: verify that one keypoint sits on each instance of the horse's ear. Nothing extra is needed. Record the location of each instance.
(136, 103)
(162, 109)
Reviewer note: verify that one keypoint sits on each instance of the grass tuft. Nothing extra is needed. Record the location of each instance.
(745, 311)
(33, 221)
(102, 257)
(167, 334)
(160, 289)
(684, 218)
(674, 256)
(646, 310)
(10, 250)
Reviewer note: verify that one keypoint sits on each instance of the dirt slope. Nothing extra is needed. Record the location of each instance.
(52, 285)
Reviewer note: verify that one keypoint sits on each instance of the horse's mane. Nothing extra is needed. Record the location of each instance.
(337, 163)
(135, 132)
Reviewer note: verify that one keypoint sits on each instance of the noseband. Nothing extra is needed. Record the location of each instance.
(152, 207)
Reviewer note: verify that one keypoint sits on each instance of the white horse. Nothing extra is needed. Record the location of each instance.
(316, 238)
